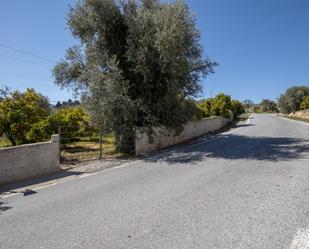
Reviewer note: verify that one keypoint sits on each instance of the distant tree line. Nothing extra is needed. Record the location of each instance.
(61, 104)
(268, 105)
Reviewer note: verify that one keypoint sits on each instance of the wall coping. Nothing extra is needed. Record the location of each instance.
(53, 140)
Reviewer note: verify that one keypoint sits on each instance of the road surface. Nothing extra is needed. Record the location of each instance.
(246, 189)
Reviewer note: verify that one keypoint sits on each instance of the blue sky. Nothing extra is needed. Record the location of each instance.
(262, 46)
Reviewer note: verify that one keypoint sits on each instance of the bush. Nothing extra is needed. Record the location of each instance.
(75, 118)
(305, 103)
(205, 107)
(237, 107)
(221, 105)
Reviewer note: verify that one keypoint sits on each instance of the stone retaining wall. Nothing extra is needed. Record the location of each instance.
(162, 137)
(29, 160)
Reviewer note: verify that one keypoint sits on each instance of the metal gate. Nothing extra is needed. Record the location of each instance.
(79, 143)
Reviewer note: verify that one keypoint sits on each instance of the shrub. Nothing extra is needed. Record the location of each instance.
(305, 103)
(221, 105)
(205, 107)
(237, 107)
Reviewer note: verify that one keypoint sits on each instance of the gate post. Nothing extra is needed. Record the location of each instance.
(101, 143)
(59, 133)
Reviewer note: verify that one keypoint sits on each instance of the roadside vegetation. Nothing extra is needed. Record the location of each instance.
(28, 117)
(136, 63)
(221, 105)
(294, 99)
(296, 118)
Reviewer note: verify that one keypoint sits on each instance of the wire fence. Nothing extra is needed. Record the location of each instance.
(78, 143)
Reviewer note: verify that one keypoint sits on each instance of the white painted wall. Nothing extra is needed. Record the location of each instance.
(29, 160)
(163, 137)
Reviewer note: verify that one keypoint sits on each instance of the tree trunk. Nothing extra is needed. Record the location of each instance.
(125, 141)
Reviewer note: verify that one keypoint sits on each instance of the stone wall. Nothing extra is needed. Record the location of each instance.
(162, 137)
(29, 160)
(301, 114)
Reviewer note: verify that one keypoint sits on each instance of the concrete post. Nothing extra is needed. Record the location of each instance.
(56, 139)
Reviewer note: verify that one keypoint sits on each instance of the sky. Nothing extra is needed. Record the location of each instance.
(262, 46)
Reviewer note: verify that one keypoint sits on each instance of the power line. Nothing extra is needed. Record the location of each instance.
(27, 53)
(21, 60)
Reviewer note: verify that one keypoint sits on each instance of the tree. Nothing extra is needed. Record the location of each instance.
(248, 103)
(268, 105)
(291, 100)
(138, 63)
(68, 103)
(74, 117)
(4, 92)
(205, 107)
(237, 107)
(305, 103)
(221, 105)
(19, 112)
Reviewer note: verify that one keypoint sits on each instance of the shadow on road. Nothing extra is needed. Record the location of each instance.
(233, 147)
(9, 188)
(4, 206)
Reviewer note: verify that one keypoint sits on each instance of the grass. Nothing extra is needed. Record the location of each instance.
(83, 148)
(296, 118)
(86, 149)
(4, 142)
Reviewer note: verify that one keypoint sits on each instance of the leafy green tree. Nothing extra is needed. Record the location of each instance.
(75, 118)
(268, 105)
(205, 107)
(237, 107)
(221, 105)
(305, 103)
(138, 63)
(291, 100)
(19, 112)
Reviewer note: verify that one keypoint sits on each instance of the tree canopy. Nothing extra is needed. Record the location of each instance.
(268, 105)
(19, 111)
(221, 105)
(138, 62)
(291, 100)
(305, 103)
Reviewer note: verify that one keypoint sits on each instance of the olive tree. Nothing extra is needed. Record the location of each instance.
(291, 100)
(138, 63)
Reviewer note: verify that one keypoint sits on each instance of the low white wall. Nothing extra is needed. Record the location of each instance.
(163, 137)
(29, 160)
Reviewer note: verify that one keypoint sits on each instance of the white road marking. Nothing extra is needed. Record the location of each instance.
(301, 240)
(86, 175)
(121, 166)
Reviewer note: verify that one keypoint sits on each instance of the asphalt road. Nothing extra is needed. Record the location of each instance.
(246, 189)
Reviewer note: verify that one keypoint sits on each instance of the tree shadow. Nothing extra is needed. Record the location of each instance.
(4, 206)
(236, 147)
(11, 187)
